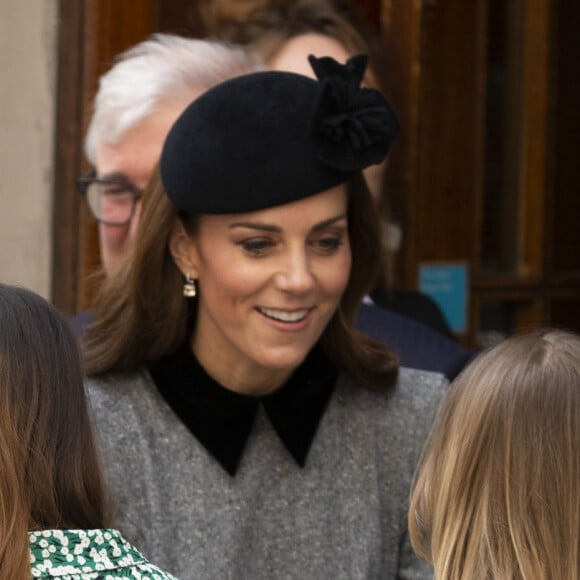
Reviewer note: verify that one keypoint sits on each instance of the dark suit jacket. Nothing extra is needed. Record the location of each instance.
(80, 321)
(417, 345)
(413, 304)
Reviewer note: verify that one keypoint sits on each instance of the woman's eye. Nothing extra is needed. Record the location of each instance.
(255, 246)
(329, 244)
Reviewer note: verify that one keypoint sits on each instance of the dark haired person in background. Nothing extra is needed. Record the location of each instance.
(52, 498)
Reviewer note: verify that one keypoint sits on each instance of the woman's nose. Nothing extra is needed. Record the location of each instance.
(295, 275)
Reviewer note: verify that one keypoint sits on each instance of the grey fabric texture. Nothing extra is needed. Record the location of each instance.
(342, 516)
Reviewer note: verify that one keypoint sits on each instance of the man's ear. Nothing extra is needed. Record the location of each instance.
(183, 249)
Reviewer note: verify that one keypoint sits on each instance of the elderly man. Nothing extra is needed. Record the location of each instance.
(137, 101)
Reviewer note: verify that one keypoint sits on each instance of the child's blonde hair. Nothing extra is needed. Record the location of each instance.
(498, 491)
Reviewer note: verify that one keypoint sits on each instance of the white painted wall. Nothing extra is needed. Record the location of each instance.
(28, 56)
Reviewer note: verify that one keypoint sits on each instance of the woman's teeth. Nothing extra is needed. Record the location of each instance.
(284, 316)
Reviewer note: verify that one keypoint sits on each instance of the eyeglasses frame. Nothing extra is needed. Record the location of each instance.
(90, 177)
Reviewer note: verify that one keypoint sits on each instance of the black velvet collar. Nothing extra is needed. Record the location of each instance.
(222, 420)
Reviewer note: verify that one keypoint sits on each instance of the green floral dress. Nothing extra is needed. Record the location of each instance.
(88, 555)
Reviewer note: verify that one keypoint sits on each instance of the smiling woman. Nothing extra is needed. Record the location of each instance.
(271, 280)
(223, 349)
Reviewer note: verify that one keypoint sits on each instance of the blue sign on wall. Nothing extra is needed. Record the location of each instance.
(447, 284)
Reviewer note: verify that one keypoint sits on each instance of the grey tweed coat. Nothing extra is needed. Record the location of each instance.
(342, 516)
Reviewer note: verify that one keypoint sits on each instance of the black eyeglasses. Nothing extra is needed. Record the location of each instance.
(111, 201)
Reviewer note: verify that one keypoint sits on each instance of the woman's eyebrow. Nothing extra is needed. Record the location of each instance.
(277, 229)
(256, 226)
(328, 222)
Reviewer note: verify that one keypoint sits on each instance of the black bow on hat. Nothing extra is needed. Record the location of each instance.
(356, 125)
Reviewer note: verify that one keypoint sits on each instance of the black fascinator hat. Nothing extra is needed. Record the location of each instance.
(270, 138)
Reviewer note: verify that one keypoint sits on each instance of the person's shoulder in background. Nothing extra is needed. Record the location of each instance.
(415, 305)
(418, 346)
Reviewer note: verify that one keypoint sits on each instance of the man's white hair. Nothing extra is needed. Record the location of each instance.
(165, 69)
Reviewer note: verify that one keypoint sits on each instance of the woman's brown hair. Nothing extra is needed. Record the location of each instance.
(498, 492)
(51, 476)
(141, 315)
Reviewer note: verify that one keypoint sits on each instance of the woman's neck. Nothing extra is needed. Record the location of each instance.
(246, 379)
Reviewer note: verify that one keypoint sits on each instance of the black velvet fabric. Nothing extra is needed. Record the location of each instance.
(222, 420)
(269, 138)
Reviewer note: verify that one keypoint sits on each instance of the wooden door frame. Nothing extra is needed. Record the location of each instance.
(91, 33)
